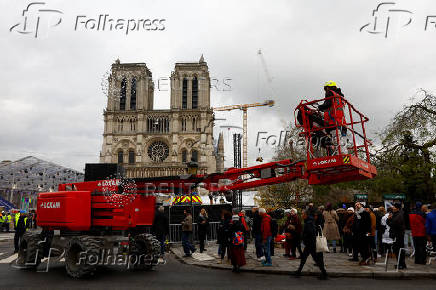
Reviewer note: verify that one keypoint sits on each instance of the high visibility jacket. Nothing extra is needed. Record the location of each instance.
(2, 219)
(17, 218)
(334, 115)
(9, 218)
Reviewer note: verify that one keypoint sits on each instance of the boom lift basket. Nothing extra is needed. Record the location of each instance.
(336, 151)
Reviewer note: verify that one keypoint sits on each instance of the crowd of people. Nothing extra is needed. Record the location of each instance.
(362, 232)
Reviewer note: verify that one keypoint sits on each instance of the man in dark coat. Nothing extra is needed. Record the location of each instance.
(20, 229)
(257, 233)
(361, 230)
(309, 240)
(397, 227)
(160, 228)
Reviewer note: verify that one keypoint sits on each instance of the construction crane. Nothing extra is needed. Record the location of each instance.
(244, 108)
(269, 79)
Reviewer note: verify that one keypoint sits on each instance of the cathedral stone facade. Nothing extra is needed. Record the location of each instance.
(152, 143)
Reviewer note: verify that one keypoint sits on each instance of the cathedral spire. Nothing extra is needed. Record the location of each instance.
(220, 154)
(201, 59)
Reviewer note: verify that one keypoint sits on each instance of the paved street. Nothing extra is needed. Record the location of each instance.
(337, 265)
(176, 275)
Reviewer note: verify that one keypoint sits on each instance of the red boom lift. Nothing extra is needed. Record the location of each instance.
(104, 221)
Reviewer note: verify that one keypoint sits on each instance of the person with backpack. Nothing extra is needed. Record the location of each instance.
(236, 245)
(244, 221)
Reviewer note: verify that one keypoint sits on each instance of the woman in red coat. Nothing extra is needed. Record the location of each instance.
(417, 225)
(237, 253)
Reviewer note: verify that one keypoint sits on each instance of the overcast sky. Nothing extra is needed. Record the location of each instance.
(51, 100)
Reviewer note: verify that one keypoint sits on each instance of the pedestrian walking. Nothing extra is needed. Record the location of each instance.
(417, 226)
(266, 236)
(160, 228)
(330, 230)
(309, 239)
(203, 228)
(396, 232)
(237, 252)
(188, 248)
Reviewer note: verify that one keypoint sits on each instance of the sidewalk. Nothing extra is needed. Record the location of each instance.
(337, 265)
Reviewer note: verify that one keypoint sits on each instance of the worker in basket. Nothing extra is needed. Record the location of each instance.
(334, 117)
(324, 119)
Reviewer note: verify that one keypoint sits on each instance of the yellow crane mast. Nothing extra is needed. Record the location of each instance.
(244, 108)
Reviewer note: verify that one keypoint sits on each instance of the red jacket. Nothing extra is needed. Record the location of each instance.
(266, 227)
(417, 225)
(334, 115)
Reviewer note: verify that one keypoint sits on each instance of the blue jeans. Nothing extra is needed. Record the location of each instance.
(333, 243)
(186, 242)
(258, 245)
(161, 239)
(267, 250)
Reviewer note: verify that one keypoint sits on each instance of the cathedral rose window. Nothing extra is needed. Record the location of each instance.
(158, 151)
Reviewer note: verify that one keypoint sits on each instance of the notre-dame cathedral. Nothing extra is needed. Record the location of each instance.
(151, 143)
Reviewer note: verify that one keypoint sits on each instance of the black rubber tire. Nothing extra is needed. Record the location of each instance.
(145, 246)
(30, 251)
(74, 264)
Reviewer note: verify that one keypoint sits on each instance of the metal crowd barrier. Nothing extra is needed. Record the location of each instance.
(175, 235)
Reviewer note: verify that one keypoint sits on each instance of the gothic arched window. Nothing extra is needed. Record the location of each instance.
(184, 155)
(123, 91)
(194, 156)
(195, 93)
(120, 157)
(185, 94)
(131, 157)
(133, 95)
